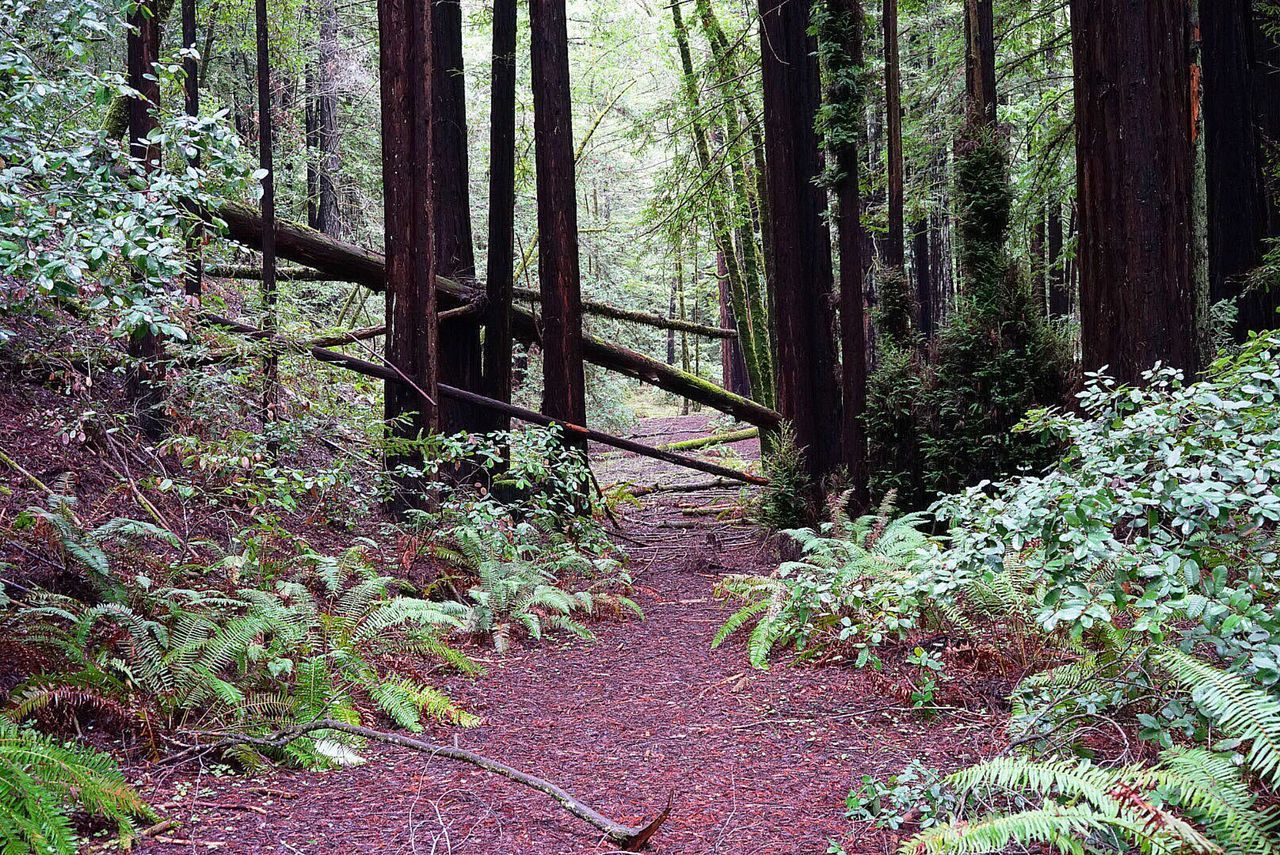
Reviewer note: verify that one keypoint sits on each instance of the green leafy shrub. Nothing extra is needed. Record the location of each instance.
(73, 222)
(42, 782)
(850, 587)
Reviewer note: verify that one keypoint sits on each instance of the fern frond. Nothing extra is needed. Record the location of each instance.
(1238, 707)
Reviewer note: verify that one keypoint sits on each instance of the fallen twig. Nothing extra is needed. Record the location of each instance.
(628, 838)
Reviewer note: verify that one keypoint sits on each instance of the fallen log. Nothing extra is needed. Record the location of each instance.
(284, 274)
(628, 839)
(351, 263)
(590, 307)
(385, 372)
(711, 441)
(605, 310)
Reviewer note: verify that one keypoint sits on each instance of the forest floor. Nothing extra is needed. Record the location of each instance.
(755, 762)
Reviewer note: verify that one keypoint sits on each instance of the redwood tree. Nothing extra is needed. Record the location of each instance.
(564, 385)
(146, 376)
(460, 348)
(798, 239)
(841, 50)
(1238, 80)
(895, 241)
(404, 57)
(1135, 170)
(502, 209)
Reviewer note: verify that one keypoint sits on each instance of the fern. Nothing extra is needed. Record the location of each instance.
(41, 782)
(1238, 707)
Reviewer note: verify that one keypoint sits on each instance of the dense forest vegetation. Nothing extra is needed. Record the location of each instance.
(842, 426)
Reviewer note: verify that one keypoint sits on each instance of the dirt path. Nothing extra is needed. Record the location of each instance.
(759, 762)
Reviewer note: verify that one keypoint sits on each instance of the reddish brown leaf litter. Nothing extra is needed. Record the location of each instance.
(758, 762)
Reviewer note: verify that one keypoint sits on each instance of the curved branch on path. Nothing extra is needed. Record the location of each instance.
(628, 839)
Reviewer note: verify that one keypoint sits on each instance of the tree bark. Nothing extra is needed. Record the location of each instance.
(502, 210)
(1059, 284)
(843, 48)
(460, 354)
(733, 366)
(564, 392)
(799, 242)
(146, 377)
(922, 252)
(324, 160)
(1236, 160)
(1138, 303)
(412, 334)
(579, 433)
(980, 64)
(191, 90)
(895, 247)
(270, 364)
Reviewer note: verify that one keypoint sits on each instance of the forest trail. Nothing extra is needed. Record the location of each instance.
(758, 762)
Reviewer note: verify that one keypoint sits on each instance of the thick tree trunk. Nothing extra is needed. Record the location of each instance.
(895, 245)
(980, 64)
(564, 394)
(1138, 303)
(460, 351)
(412, 338)
(502, 210)
(146, 378)
(798, 240)
(1235, 160)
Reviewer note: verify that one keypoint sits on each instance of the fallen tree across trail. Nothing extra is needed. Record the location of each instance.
(351, 263)
(628, 839)
(386, 372)
(590, 307)
(606, 310)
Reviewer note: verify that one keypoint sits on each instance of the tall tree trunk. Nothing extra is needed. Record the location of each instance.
(460, 346)
(1059, 284)
(146, 378)
(980, 64)
(324, 162)
(841, 47)
(1235, 161)
(808, 393)
(271, 362)
(412, 345)
(671, 315)
(564, 393)
(895, 250)
(191, 90)
(733, 366)
(1039, 269)
(1134, 170)
(500, 283)
(922, 254)
(738, 245)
